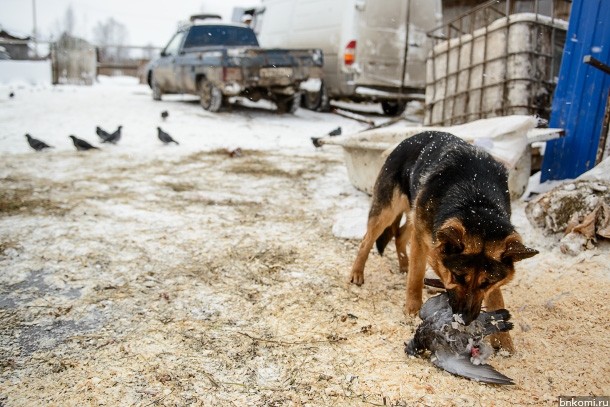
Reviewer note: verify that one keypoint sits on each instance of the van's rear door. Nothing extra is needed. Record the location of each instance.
(382, 35)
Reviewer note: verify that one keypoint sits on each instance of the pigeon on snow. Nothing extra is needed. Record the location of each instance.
(37, 144)
(114, 137)
(103, 134)
(164, 137)
(455, 347)
(109, 137)
(316, 140)
(82, 145)
(164, 114)
(335, 132)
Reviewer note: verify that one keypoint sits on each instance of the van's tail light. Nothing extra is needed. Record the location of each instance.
(349, 56)
(231, 74)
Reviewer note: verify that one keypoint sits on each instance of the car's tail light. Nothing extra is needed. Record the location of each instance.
(231, 74)
(349, 56)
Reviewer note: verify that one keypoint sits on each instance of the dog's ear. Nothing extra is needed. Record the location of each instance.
(451, 236)
(515, 250)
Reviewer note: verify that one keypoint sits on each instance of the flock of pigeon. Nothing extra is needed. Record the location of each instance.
(105, 137)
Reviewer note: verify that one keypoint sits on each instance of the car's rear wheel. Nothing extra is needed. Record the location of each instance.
(156, 89)
(288, 103)
(393, 107)
(317, 101)
(210, 96)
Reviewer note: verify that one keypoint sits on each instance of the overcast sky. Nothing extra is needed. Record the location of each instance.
(148, 21)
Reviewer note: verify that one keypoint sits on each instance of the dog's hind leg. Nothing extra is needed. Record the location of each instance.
(501, 340)
(375, 227)
(381, 216)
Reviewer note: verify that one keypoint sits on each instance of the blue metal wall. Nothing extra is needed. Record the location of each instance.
(580, 97)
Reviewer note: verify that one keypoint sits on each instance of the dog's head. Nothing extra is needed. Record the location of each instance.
(471, 266)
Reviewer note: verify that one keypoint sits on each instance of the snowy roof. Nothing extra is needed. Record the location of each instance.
(7, 36)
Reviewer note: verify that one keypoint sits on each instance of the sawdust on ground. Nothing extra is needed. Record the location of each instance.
(216, 281)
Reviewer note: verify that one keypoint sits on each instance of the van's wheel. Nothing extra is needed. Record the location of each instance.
(317, 101)
(156, 89)
(393, 107)
(288, 103)
(210, 96)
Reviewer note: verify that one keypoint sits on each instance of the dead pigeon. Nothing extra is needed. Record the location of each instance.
(37, 144)
(82, 145)
(164, 114)
(164, 137)
(455, 347)
(114, 137)
(335, 132)
(103, 134)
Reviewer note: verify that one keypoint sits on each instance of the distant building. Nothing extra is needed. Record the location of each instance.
(16, 47)
(74, 61)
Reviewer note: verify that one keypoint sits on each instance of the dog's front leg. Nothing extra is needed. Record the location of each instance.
(501, 340)
(375, 226)
(415, 278)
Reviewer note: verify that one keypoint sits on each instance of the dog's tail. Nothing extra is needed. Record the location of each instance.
(387, 235)
(385, 238)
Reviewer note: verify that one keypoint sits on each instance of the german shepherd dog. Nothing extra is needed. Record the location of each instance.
(457, 206)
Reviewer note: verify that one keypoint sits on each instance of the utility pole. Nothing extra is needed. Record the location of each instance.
(34, 29)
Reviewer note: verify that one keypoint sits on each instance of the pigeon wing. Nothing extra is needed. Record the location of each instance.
(103, 134)
(41, 145)
(461, 366)
(37, 144)
(433, 305)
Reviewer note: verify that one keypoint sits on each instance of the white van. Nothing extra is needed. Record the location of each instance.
(369, 54)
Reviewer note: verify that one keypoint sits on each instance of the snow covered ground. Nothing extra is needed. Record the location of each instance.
(53, 113)
(148, 274)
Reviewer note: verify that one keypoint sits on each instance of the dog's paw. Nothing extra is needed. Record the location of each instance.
(357, 277)
(412, 307)
(502, 341)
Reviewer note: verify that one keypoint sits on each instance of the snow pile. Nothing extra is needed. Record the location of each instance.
(20, 73)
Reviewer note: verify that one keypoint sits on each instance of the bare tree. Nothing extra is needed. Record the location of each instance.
(65, 25)
(111, 37)
(69, 21)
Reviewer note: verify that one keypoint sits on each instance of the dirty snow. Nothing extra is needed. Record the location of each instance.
(145, 274)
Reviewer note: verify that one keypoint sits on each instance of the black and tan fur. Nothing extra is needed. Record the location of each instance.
(457, 206)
